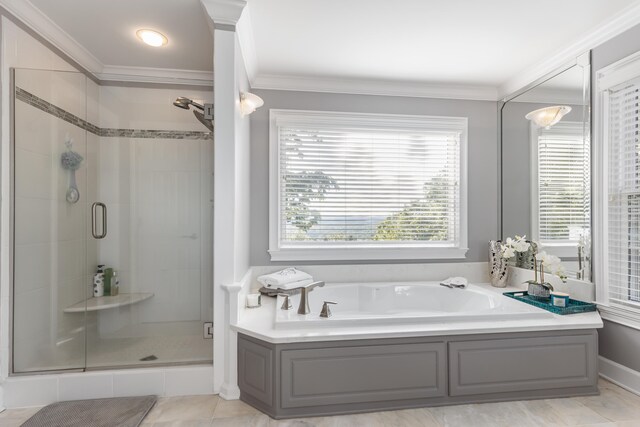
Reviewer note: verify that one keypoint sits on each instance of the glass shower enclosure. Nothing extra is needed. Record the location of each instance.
(114, 177)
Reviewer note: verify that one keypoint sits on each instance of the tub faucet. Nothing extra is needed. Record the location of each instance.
(303, 308)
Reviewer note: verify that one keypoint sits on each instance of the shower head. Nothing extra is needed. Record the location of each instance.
(205, 117)
(184, 103)
(201, 119)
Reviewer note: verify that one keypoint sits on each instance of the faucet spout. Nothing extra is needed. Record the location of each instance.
(303, 308)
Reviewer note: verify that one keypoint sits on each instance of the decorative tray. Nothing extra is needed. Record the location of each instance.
(575, 306)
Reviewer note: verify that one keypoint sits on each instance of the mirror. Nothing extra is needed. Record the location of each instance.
(546, 167)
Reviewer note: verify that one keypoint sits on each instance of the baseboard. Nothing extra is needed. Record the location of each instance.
(619, 374)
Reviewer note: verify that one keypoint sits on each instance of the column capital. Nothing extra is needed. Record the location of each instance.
(224, 13)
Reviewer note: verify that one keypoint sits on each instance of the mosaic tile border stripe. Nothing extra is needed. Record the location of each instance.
(58, 112)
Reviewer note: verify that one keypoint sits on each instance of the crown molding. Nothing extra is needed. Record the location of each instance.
(156, 75)
(619, 23)
(224, 12)
(374, 87)
(33, 17)
(29, 15)
(246, 39)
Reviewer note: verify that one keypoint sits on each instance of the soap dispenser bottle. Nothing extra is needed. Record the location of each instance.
(108, 281)
(115, 284)
(98, 282)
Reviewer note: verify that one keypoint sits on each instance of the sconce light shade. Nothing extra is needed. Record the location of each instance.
(548, 116)
(249, 103)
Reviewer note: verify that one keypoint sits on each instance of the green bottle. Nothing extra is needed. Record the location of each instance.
(108, 278)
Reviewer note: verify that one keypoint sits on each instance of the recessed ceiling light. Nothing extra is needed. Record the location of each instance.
(152, 38)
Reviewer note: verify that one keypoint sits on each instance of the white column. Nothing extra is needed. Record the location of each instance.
(230, 258)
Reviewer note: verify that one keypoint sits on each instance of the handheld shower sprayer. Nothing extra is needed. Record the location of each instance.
(70, 160)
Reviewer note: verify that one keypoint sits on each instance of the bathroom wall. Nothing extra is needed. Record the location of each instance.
(482, 157)
(618, 342)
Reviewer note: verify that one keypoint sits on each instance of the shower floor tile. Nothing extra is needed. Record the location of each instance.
(149, 350)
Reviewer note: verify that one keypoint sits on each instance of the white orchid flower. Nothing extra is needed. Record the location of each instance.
(508, 252)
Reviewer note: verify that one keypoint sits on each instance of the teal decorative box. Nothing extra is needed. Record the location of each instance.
(574, 306)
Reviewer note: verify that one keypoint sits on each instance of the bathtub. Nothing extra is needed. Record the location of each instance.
(361, 304)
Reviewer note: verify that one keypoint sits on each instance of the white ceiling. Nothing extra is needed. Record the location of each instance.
(346, 45)
(106, 28)
(434, 41)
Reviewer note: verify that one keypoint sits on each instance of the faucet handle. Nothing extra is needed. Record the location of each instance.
(325, 312)
(286, 304)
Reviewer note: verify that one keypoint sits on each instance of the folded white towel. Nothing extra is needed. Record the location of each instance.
(285, 279)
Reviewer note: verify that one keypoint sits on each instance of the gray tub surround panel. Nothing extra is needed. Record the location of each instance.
(336, 377)
(521, 364)
(47, 107)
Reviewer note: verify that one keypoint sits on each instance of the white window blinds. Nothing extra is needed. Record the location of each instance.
(564, 184)
(369, 181)
(624, 195)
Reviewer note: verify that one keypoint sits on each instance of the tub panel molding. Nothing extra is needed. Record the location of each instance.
(494, 366)
(255, 369)
(337, 377)
(312, 377)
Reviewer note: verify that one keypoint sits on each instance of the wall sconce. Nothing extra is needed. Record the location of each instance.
(249, 102)
(548, 116)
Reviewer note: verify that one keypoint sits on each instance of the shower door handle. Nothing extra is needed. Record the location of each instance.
(94, 225)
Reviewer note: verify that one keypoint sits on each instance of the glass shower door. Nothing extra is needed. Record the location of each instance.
(51, 239)
(133, 196)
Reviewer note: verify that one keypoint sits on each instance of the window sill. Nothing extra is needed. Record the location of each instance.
(622, 316)
(366, 254)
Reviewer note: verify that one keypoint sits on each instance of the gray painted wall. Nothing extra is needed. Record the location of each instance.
(617, 342)
(482, 154)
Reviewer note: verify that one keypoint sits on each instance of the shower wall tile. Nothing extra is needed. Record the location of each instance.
(114, 186)
(143, 108)
(35, 226)
(93, 102)
(71, 259)
(33, 129)
(69, 224)
(37, 177)
(33, 268)
(66, 90)
(176, 296)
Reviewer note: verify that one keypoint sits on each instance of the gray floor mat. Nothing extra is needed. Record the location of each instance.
(112, 412)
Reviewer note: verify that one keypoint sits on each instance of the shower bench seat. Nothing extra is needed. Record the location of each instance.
(107, 302)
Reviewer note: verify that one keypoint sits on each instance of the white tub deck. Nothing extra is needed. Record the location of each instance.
(407, 309)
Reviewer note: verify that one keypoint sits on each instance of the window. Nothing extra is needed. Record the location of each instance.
(367, 186)
(562, 195)
(618, 180)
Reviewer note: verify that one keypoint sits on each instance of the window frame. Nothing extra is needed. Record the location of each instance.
(563, 249)
(627, 69)
(348, 251)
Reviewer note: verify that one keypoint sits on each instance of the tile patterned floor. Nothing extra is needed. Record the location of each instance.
(614, 407)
